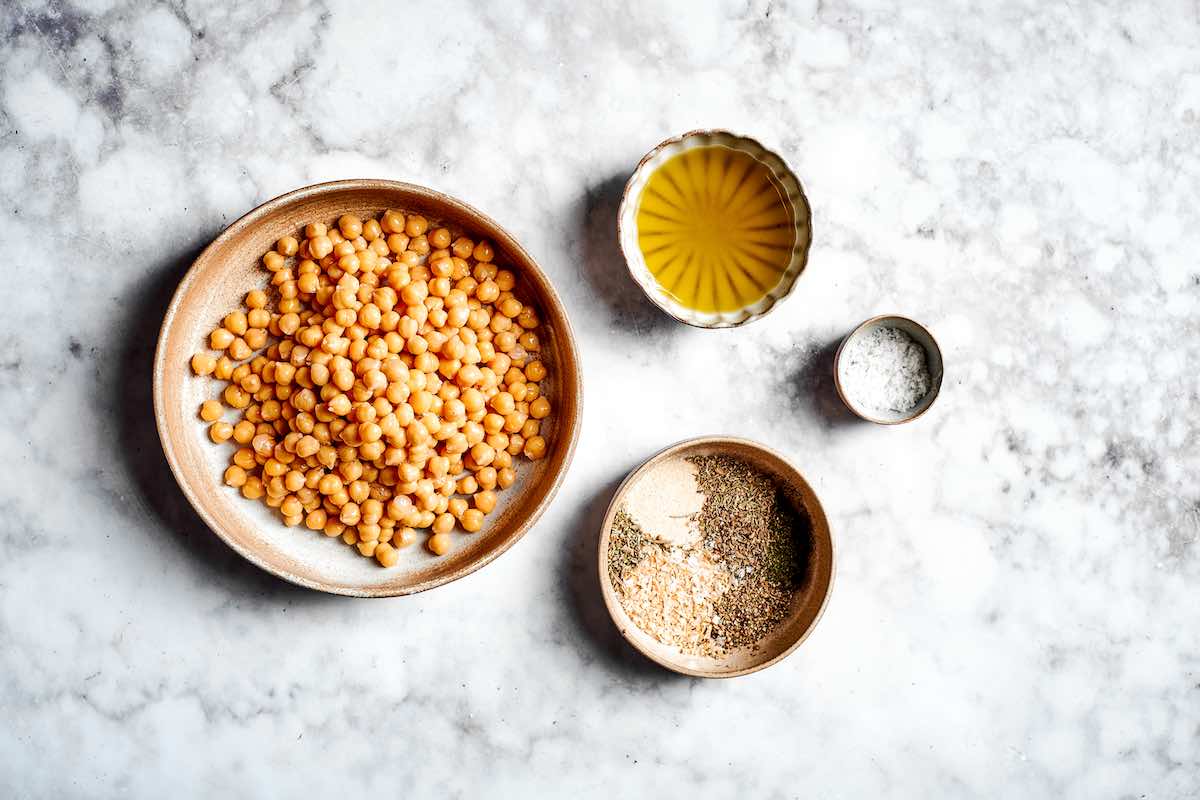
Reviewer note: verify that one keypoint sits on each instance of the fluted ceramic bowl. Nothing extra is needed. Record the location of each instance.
(793, 196)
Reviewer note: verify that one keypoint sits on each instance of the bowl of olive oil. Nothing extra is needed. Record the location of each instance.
(715, 228)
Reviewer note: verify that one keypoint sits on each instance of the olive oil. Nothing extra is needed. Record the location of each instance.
(715, 229)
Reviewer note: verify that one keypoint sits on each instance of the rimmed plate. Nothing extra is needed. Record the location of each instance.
(216, 284)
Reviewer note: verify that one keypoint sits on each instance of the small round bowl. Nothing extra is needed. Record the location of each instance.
(933, 359)
(786, 180)
(807, 605)
(218, 281)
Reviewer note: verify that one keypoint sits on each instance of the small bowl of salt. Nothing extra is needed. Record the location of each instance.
(888, 370)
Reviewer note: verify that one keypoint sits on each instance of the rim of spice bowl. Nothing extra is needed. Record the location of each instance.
(794, 197)
(808, 604)
(219, 279)
(933, 357)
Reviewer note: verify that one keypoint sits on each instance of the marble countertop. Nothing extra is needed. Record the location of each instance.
(1015, 610)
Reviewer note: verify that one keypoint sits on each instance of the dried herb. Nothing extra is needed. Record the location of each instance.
(750, 527)
(625, 542)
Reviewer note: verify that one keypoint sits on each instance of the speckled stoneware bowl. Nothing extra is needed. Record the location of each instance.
(786, 181)
(933, 359)
(217, 283)
(810, 599)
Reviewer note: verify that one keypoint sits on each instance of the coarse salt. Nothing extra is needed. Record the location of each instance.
(885, 370)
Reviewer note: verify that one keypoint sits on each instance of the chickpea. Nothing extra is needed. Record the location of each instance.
(220, 339)
(210, 410)
(243, 431)
(487, 292)
(483, 454)
(457, 247)
(239, 349)
(505, 341)
(534, 370)
(258, 319)
(456, 506)
(287, 246)
(235, 476)
(471, 520)
(486, 477)
(350, 225)
(416, 225)
(203, 363)
(244, 458)
(535, 448)
(404, 537)
(472, 399)
(320, 246)
(339, 405)
(290, 507)
(399, 507)
(485, 501)
(539, 408)
(439, 543)
(386, 555)
(252, 489)
(262, 444)
(483, 251)
(503, 403)
(397, 243)
(294, 481)
(371, 510)
(505, 477)
(256, 299)
(350, 514)
(220, 432)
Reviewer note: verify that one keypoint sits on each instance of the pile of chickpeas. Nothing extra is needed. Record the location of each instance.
(387, 387)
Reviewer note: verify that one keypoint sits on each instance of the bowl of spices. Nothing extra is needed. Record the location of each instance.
(715, 228)
(715, 558)
(888, 370)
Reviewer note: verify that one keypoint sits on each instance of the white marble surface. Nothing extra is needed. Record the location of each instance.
(1015, 612)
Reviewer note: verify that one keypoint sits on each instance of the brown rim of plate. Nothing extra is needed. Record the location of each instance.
(812, 506)
(933, 393)
(548, 298)
(803, 198)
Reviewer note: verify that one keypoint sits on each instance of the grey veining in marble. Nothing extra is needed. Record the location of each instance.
(1017, 606)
